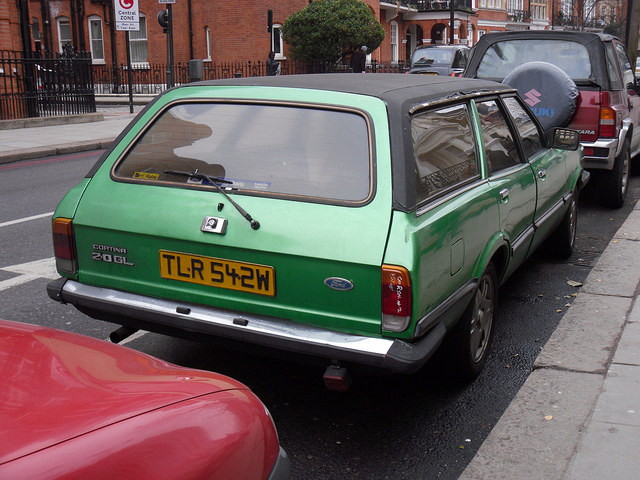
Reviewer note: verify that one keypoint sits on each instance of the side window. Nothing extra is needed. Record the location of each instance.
(627, 73)
(207, 40)
(96, 40)
(499, 145)
(526, 126)
(612, 67)
(64, 33)
(276, 41)
(444, 150)
(394, 42)
(138, 42)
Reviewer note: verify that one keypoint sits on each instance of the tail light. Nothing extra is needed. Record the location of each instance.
(64, 247)
(608, 127)
(396, 298)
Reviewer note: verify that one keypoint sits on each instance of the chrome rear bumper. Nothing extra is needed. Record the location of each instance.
(141, 312)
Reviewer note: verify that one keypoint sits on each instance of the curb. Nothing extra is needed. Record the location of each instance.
(50, 121)
(543, 429)
(62, 149)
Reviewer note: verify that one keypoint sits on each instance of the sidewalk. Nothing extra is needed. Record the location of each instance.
(577, 417)
(93, 132)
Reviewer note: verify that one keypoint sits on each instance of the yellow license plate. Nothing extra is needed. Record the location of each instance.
(216, 272)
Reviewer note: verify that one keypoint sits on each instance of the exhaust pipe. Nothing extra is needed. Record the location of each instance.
(120, 334)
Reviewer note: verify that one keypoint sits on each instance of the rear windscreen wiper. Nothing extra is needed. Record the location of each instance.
(214, 181)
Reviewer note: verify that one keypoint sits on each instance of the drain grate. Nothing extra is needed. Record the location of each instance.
(583, 259)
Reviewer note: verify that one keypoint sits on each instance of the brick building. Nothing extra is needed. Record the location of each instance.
(212, 30)
(236, 31)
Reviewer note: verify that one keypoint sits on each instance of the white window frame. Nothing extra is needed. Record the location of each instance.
(59, 22)
(393, 36)
(207, 39)
(133, 40)
(276, 30)
(94, 59)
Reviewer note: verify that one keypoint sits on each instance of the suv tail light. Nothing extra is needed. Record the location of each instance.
(64, 246)
(608, 127)
(396, 298)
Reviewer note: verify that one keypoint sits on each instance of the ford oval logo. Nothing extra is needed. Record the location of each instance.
(337, 283)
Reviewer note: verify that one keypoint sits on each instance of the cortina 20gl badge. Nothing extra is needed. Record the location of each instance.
(214, 225)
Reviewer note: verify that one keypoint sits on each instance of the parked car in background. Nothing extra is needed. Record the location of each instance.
(606, 108)
(440, 60)
(73, 407)
(356, 220)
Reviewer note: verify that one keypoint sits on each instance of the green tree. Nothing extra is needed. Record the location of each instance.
(326, 30)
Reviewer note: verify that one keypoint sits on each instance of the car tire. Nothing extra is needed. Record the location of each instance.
(471, 338)
(613, 184)
(563, 240)
(548, 90)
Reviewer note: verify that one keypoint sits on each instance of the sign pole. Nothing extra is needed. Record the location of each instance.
(167, 25)
(170, 47)
(129, 73)
(128, 19)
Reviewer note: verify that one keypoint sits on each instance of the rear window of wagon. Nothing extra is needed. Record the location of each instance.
(271, 149)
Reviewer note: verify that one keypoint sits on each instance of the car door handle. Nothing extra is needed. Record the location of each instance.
(542, 174)
(504, 195)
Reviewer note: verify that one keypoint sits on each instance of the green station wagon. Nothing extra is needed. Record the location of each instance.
(356, 218)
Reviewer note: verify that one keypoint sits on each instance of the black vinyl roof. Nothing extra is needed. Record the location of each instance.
(394, 89)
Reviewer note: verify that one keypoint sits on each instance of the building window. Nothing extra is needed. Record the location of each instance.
(207, 38)
(138, 46)
(276, 41)
(64, 33)
(394, 42)
(96, 40)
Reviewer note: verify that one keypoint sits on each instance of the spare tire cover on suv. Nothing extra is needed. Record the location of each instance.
(548, 90)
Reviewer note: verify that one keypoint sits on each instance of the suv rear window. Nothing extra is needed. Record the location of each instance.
(502, 57)
(261, 148)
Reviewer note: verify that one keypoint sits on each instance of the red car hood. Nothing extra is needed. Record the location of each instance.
(57, 385)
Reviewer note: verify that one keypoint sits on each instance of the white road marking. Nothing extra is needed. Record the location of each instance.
(135, 336)
(26, 219)
(45, 268)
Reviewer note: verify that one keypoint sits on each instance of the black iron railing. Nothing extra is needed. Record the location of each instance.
(43, 85)
(151, 79)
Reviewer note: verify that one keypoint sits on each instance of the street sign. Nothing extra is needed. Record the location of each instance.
(166, 1)
(127, 16)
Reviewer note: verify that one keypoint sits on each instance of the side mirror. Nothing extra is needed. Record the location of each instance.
(565, 139)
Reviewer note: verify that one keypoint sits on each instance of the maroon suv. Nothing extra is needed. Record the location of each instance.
(576, 79)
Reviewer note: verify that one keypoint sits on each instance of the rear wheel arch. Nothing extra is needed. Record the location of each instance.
(499, 260)
(496, 252)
